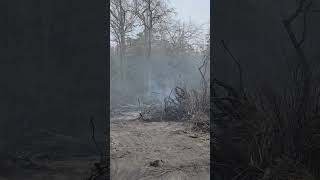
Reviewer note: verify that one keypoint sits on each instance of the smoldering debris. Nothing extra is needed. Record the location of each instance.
(179, 105)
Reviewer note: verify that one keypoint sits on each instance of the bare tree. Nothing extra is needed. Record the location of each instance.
(122, 22)
(150, 13)
(182, 37)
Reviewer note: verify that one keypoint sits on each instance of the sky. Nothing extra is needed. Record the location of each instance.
(198, 11)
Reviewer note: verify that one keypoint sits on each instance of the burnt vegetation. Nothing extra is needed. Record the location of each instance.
(266, 133)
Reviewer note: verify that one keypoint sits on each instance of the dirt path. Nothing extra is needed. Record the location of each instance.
(181, 154)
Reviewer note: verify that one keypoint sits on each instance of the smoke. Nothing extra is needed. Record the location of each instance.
(167, 72)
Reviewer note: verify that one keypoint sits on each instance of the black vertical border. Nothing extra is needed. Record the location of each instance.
(211, 87)
(101, 11)
(107, 45)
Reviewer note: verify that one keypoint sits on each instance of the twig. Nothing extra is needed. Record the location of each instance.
(304, 33)
(94, 139)
(238, 64)
(238, 175)
(227, 87)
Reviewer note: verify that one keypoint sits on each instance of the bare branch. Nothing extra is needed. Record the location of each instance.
(306, 73)
(238, 64)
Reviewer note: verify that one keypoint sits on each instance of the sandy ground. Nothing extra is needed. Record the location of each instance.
(157, 150)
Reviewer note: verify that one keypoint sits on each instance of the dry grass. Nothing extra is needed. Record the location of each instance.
(189, 106)
(265, 135)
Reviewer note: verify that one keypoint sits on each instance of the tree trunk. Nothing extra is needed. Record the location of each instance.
(149, 39)
(122, 42)
(150, 62)
(122, 57)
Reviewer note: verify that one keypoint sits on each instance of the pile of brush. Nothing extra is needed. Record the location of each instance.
(182, 105)
(189, 106)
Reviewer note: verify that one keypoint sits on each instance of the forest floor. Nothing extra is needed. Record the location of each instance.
(157, 150)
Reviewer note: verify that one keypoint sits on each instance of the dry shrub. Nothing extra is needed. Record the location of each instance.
(200, 121)
(198, 106)
(189, 106)
(264, 135)
(182, 105)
